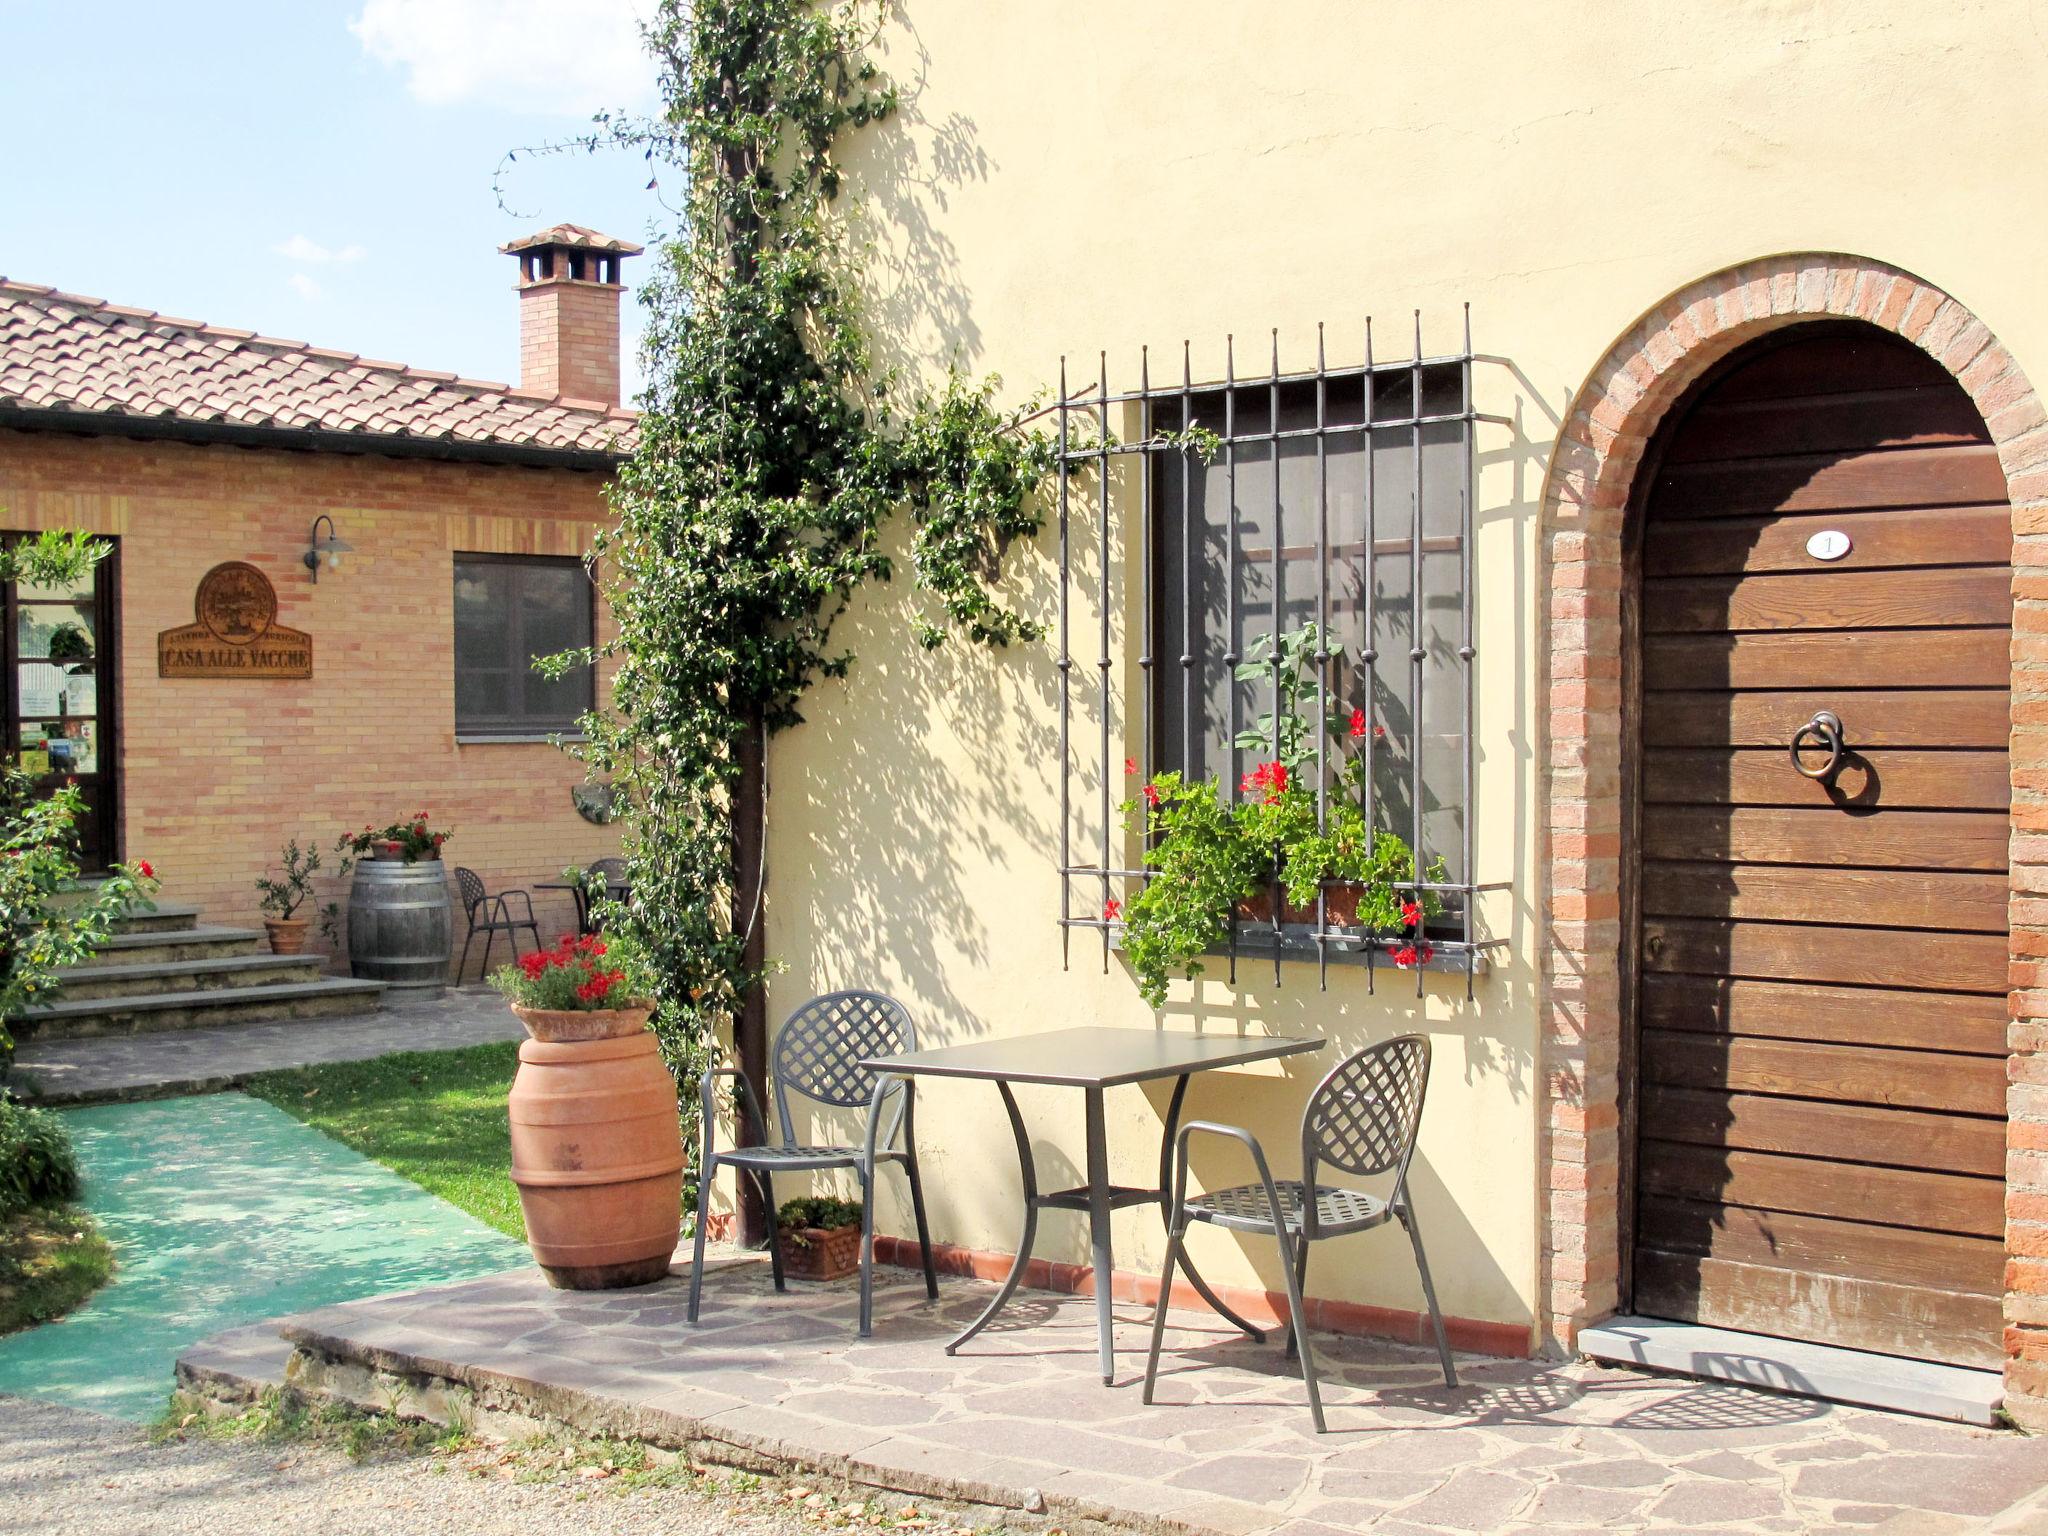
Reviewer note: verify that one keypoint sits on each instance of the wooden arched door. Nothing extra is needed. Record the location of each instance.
(1820, 974)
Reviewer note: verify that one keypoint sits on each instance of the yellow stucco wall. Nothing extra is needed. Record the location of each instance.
(1067, 178)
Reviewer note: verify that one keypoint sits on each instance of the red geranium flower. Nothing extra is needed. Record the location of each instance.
(1151, 794)
(1112, 909)
(1411, 913)
(1379, 733)
(1404, 956)
(1268, 781)
(1357, 722)
(1130, 765)
(144, 869)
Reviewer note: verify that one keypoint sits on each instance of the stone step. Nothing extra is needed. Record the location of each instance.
(164, 917)
(1799, 1368)
(326, 998)
(213, 974)
(199, 942)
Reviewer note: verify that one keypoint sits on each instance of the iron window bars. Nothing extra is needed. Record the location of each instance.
(1391, 433)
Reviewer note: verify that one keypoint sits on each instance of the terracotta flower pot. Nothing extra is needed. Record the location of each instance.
(387, 850)
(287, 934)
(597, 1154)
(1340, 908)
(819, 1253)
(556, 1024)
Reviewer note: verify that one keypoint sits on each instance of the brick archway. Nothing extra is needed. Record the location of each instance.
(1586, 497)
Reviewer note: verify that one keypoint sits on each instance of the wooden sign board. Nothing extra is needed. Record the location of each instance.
(237, 634)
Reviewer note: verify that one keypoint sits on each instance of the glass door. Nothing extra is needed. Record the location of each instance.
(60, 680)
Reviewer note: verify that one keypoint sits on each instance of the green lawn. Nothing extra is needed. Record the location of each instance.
(436, 1117)
(51, 1259)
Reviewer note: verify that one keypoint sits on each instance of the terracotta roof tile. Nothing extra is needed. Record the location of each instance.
(62, 354)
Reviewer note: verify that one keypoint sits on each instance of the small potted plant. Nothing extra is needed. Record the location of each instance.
(409, 841)
(819, 1237)
(588, 987)
(281, 898)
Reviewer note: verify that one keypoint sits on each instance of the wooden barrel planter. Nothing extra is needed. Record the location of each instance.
(597, 1153)
(400, 924)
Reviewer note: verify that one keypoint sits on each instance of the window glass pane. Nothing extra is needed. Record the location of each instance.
(509, 610)
(56, 629)
(1257, 572)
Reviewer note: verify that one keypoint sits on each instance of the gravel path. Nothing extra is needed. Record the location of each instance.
(63, 1470)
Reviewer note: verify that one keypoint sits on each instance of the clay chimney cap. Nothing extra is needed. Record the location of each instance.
(573, 236)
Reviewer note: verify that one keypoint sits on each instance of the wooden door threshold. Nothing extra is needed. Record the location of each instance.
(1798, 1368)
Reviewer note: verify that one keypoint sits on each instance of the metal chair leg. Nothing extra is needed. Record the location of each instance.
(1299, 1327)
(767, 1182)
(706, 1167)
(1300, 1285)
(490, 934)
(924, 1231)
(867, 1251)
(1173, 1242)
(462, 965)
(1436, 1317)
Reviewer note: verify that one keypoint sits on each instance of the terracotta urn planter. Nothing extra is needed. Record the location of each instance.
(597, 1152)
(287, 934)
(819, 1253)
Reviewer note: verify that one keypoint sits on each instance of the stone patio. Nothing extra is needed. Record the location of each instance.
(1018, 1421)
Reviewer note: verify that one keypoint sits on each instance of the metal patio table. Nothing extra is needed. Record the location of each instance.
(1092, 1058)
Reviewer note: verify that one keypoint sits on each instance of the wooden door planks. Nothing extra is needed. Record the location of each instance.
(1819, 995)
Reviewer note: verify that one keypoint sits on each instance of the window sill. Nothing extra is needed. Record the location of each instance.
(541, 738)
(1256, 944)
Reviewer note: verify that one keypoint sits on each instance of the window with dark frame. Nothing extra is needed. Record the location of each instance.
(508, 610)
(1340, 499)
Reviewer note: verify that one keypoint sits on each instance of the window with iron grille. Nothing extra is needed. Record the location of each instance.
(508, 610)
(1332, 506)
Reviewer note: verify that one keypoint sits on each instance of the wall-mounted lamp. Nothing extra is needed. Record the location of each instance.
(331, 548)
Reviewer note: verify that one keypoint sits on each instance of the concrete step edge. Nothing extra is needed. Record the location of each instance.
(173, 970)
(1799, 1368)
(151, 1002)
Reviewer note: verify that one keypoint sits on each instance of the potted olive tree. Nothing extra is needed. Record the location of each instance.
(283, 894)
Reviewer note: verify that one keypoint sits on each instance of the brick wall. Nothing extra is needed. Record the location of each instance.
(569, 339)
(216, 774)
(1586, 497)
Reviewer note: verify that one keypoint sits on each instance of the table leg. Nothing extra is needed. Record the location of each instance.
(1030, 1173)
(1180, 1093)
(1098, 1234)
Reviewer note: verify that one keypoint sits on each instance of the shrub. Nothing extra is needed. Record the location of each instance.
(821, 1213)
(37, 1166)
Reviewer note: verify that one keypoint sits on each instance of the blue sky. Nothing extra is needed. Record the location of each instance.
(314, 169)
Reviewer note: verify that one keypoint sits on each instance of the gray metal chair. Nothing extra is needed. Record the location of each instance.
(818, 1054)
(490, 916)
(1362, 1119)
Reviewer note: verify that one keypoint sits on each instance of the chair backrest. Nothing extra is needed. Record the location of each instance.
(1363, 1117)
(819, 1049)
(471, 884)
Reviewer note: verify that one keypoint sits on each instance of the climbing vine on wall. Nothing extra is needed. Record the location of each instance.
(770, 456)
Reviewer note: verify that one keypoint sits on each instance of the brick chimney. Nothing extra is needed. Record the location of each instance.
(569, 312)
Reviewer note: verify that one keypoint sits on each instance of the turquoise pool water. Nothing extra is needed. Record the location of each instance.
(222, 1211)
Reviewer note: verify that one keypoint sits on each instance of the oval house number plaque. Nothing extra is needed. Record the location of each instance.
(1828, 544)
(237, 634)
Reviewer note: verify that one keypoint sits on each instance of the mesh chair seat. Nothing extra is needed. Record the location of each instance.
(794, 1159)
(1244, 1208)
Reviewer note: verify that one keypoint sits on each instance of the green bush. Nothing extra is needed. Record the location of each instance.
(821, 1213)
(36, 1162)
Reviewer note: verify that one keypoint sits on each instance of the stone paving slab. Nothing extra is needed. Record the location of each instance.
(108, 1068)
(1019, 1421)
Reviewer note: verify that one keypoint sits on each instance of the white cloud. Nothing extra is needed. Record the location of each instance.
(299, 248)
(531, 55)
(304, 286)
